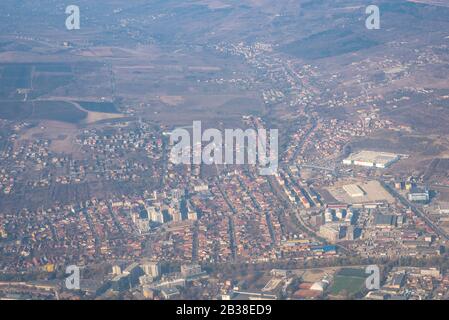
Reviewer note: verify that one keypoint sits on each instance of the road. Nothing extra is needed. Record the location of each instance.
(440, 186)
(304, 138)
(231, 231)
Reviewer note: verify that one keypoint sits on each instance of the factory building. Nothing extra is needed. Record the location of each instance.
(371, 159)
(354, 190)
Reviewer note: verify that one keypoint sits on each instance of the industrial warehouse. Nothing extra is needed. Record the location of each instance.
(375, 159)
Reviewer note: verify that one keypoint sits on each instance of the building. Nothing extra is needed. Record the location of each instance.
(151, 268)
(170, 282)
(330, 232)
(201, 188)
(190, 270)
(3, 233)
(354, 190)
(432, 272)
(175, 214)
(155, 215)
(419, 195)
(116, 270)
(148, 293)
(329, 215)
(444, 208)
(253, 295)
(340, 214)
(349, 218)
(350, 233)
(385, 221)
(320, 285)
(396, 282)
(280, 273)
(192, 215)
(328, 249)
(170, 293)
(371, 159)
(177, 194)
(146, 280)
(377, 295)
(143, 225)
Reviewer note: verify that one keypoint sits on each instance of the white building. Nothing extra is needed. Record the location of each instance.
(367, 158)
(354, 190)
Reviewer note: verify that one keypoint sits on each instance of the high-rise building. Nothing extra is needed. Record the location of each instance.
(151, 268)
(116, 270)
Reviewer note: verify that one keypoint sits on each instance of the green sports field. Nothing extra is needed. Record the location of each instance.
(349, 281)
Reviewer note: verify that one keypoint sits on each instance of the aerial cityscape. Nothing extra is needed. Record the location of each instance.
(224, 150)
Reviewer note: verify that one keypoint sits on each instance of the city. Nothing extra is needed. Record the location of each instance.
(92, 207)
